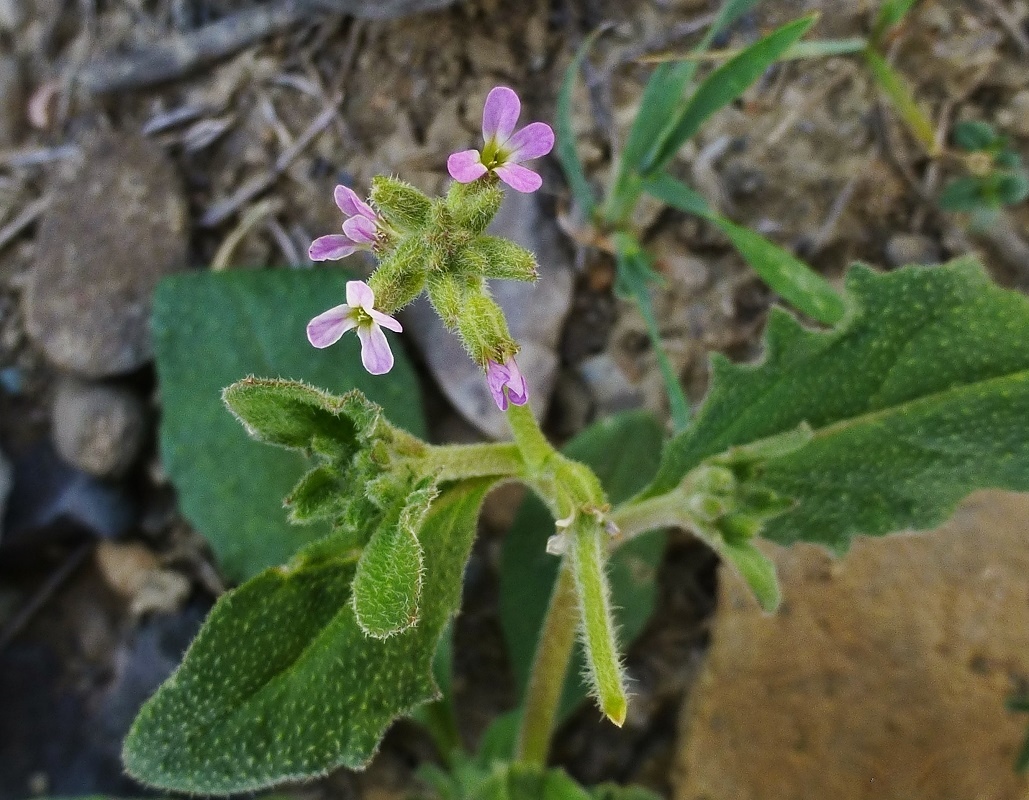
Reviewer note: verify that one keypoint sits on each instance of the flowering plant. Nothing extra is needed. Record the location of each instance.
(303, 667)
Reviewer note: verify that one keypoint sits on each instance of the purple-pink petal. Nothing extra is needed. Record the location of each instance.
(384, 320)
(375, 353)
(351, 204)
(360, 295)
(329, 326)
(534, 140)
(500, 114)
(360, 229)
(519, 178)
(466, 166)
(331, 248)
(506, 376)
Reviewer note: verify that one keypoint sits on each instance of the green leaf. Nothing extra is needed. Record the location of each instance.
(918, 397)
(518, 781)
(211, 329)
(757, 570)
(786, 274)
(891, 12)
(896, 89)
(1022, 759)
(623, 450)
(612, 791)
(723, 86)
(388, 580)
(1012, 188)
(282, 684)
(566, 151)
(974, 136)
(295, 416)
(660, 106)
(318, 495)
(635, 274)
(966, 194)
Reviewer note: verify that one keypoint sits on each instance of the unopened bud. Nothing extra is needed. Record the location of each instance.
(474, 205)
(494, 257)
(400, 203)
(401, 275)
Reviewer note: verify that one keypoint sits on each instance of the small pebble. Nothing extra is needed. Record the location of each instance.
(911, 248)
(99, 428)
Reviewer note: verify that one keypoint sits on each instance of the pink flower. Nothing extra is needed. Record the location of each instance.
(358, 312)
(504, 148)
(359, 229)
(506, 376)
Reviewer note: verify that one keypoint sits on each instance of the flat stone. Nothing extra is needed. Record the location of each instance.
(535, 316)
(116, 225)
(884, 675)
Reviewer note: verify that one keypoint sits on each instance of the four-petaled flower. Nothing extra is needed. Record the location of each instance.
(504, 148)
(358, 312)
(359, 229)
(506, 383)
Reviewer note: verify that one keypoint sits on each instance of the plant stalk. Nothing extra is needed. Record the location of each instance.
(549, 671)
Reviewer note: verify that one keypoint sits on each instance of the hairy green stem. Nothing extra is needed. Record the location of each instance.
(664, 511)
(534, 447)
(458, 461)
(549, 670)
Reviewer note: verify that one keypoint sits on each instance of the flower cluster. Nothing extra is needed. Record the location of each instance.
(440, 246)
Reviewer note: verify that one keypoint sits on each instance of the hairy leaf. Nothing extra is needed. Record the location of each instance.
(623, 450)
(388, 581)
(213, 329)
(918, 397)
(282, 684)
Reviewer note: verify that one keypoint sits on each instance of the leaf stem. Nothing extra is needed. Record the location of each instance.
(460, 461)
(549, 670)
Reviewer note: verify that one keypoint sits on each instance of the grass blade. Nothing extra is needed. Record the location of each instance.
(787, 275)
(901, 98)
(635, 273)
(566, 151)
(722, 87)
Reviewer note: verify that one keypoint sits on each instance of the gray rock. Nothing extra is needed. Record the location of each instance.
(611, 388)
(911, 248)
(6, 482)
(116, 225)
(97, 427)
(535, 314)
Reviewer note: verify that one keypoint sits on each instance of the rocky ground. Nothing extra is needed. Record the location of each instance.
(120, 164)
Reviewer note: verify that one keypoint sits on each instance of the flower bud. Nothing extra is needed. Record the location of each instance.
(474, 205)
(401, 275)
(483, 330)
(400, 203)
(494, 257)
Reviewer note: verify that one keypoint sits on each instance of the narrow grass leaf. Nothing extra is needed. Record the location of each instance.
(566, 151)
(723, 86)
(786, 274)
(896, 89)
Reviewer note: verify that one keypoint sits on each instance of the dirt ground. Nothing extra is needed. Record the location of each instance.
(96, 610)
